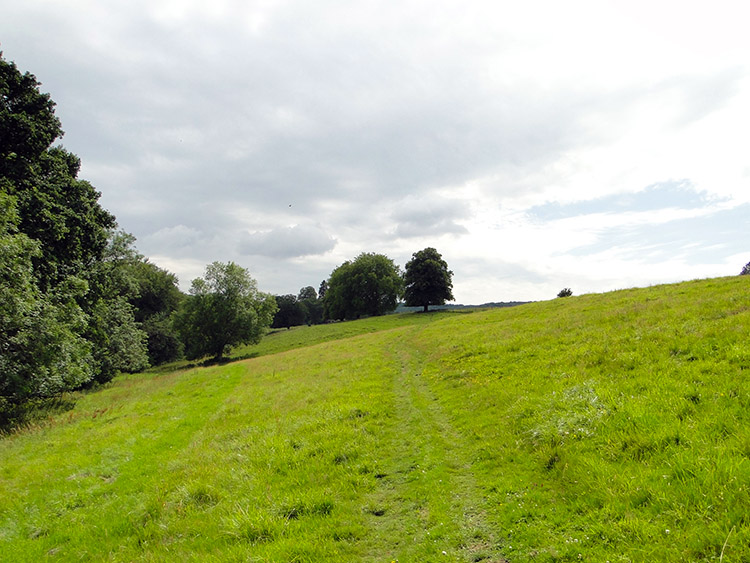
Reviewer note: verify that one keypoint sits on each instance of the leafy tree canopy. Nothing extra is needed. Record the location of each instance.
(427, 280)
(28, 125)
(55, 208)
(67, 321)
(312, 304)
(224, 309)
(369, 285)
(307, 293)
(322, 289)
(42, 352)
(291, 312)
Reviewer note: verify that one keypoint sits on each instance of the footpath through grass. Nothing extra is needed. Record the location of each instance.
(599, 428)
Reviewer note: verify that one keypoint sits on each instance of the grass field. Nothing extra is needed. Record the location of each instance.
(611, 427)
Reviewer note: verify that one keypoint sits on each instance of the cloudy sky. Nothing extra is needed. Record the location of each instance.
(537, 145)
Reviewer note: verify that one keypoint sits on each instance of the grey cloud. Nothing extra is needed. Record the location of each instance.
(176, 237)
(430, 217)
(289, 242)
(255, 117)
(359, 116)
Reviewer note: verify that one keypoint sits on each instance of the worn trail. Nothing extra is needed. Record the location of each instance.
(437, 509)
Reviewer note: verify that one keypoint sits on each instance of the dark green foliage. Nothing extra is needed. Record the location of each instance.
(41, 350)
(291, 312)
(28, 125)
(65, 314)
(565, 292)
(119, 343)
(369, 285)
(307, 294)
(224, 309)
(313, 311)
(151, 291)
(427, 280)
(164, 344)
(312, 304)
(155, 299)
(56, 209)
(64, 215)
(157, 291)
(322, 289)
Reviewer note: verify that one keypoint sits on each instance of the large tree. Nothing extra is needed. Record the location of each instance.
(427, 280)
(28, 125)
(75, 324)
(224, 309)
(55, 208)
(369, 285)
(42, 352)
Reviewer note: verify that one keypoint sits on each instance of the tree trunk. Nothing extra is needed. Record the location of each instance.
(425, 307)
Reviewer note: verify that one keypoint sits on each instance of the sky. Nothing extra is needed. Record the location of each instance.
(595, 145)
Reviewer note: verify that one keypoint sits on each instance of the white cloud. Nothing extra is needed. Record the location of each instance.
(392, 127)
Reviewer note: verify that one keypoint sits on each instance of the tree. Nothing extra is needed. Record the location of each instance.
(28, 125)
(313, 305)
(307, 294)
(155, 298)
(68, 321)
(54, 207)
(369, 285)
(565, 292)
(119, 343)
(427, 280)
(224, 309)
(745, 270)
(290, 312)
(322, 289)
(73, 269)
(42, 352)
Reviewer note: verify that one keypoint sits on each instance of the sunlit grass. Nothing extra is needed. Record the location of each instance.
(607, 427)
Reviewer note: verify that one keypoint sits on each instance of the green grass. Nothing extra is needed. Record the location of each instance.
(610, 427)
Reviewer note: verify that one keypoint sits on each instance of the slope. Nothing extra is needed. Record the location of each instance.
(603, 427)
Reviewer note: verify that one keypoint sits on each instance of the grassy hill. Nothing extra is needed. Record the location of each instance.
(610, 427)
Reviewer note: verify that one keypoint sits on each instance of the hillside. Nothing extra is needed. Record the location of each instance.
(611, 427)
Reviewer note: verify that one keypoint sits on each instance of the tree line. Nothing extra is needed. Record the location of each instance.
(370, 284)
(79, 303)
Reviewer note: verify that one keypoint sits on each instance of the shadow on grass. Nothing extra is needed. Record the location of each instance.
(17, 417)
(182, 365)
(227, 360)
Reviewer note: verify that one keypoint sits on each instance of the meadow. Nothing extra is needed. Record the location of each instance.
(611, 427)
